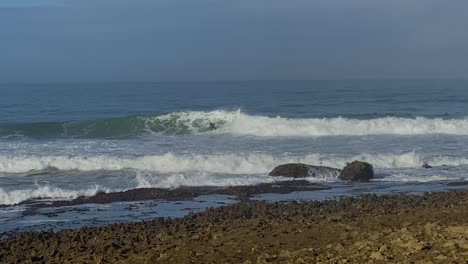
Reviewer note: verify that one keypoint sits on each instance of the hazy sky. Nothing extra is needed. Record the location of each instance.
(164, 40)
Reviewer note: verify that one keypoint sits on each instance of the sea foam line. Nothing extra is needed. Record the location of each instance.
(222, 163)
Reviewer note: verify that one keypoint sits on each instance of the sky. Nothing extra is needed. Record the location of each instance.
(202, 40)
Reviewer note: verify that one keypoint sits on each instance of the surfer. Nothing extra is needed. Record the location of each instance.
(212, 126)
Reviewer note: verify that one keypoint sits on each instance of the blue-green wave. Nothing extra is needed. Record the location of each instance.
(114, 128)
(235, 123)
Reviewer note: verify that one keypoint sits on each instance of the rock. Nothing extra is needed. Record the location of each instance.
(426, 166)
(357, 171)
(377, 256)
(299, 170)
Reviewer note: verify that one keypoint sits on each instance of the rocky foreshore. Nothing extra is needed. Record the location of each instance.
(432, 228)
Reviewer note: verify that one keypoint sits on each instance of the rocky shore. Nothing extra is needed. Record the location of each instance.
(432, 228)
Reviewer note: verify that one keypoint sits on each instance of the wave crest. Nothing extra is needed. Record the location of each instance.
(235, 123)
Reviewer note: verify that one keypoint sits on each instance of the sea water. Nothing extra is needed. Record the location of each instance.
(62, 140)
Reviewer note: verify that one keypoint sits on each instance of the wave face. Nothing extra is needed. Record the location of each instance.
(235, 123)
(222, 164)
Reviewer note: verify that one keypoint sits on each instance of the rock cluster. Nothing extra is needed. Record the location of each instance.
(354, 171)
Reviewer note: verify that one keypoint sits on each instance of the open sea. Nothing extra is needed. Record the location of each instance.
(61, 141)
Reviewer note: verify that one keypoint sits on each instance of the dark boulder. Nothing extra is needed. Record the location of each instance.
(299, 170)
(357, 171)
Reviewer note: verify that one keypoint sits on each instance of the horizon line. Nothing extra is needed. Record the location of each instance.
(232, 81)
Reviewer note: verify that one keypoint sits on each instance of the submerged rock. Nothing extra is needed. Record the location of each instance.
(300, 170)
(357, 171)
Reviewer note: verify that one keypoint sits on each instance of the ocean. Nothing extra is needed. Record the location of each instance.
(62, 141)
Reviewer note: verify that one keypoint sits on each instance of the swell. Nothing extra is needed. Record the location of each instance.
(234, 123)
(221, 163)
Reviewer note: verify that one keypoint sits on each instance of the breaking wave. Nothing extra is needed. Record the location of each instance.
(234, 123)
(145, 179)
(171, 171)
(17, 196)
(221, 163)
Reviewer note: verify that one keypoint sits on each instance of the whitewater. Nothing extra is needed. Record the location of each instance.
(221, 163)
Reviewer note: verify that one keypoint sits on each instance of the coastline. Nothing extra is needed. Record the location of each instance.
(369, 228)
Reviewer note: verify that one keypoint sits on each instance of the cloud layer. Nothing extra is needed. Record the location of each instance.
(231, 40)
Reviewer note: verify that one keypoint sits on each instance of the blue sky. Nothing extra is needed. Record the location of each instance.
(177, 40)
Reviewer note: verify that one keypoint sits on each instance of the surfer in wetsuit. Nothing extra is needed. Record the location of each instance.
(212, 126)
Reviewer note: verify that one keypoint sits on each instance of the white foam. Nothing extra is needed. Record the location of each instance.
(17, 196)
(267, 127)
(419, 176)
(146, 180)
(223, 163)
(239, 123)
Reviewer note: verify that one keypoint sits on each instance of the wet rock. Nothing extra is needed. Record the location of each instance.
(372, 228)
(357, 171)
(299, 170)
(178, 194)
(377, 256)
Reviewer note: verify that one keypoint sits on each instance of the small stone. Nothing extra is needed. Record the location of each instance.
(299, 261)
(377, 256)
